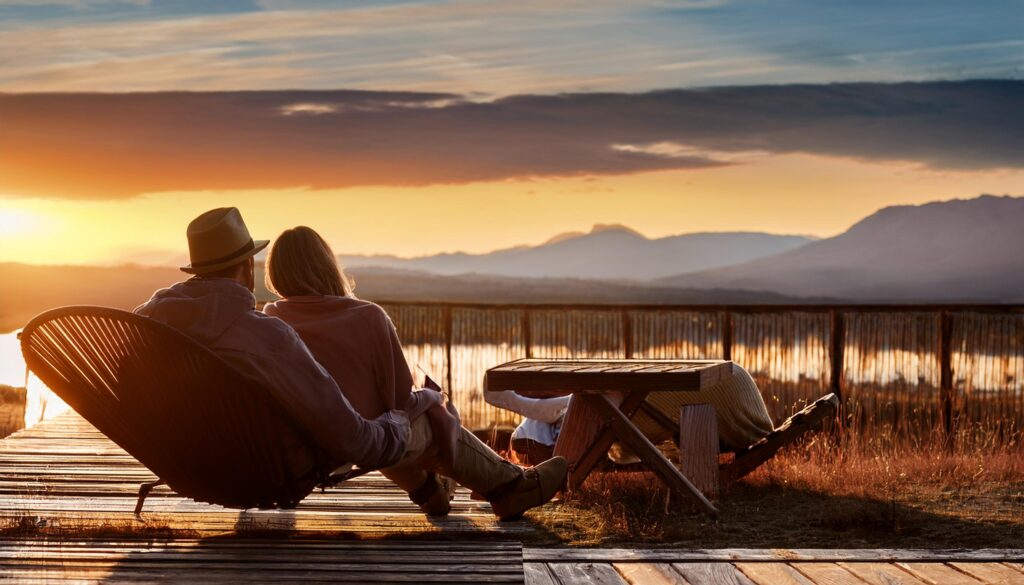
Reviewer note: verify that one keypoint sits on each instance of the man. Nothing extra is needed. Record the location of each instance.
(217, 308)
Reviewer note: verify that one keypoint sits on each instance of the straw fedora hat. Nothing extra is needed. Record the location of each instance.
(218, 239)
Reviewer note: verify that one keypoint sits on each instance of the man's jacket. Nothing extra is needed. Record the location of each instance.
(221, 314)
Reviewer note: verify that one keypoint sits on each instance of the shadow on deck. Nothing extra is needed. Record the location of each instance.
(67, 495)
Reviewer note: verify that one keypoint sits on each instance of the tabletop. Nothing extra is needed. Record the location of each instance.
(538, 377)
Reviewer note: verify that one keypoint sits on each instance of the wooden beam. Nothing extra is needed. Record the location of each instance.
(946, 375)
(837, 355)
(698, 447)
(626, 431)
(753, 456)
(727, 331)
(586, 446)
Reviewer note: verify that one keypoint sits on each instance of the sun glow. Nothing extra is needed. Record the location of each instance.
(17, 222)
(789, 194)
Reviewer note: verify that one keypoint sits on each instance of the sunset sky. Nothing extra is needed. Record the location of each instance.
(418, 127)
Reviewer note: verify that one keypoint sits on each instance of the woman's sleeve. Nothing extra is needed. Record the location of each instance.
(394, 380)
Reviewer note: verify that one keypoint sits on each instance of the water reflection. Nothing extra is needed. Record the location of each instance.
(41, 403)
(887, 359)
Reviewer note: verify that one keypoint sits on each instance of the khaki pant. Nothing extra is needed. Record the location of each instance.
(739, 408)
(477, 467)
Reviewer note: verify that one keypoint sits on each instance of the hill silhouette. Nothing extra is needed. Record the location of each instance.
(607, 252)
(958, 250)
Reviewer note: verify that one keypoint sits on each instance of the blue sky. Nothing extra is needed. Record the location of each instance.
(498, 48)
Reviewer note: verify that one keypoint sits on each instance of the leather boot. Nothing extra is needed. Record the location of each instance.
(536, 487)
(435, 495)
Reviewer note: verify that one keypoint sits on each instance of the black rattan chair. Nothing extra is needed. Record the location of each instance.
(204, 429)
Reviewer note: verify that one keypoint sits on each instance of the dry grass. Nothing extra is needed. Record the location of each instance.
(832, 492)
(70, 528)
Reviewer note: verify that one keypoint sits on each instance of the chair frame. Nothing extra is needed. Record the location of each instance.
(82, 353)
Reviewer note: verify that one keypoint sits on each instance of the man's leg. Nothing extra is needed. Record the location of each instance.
(477, 467)
(431, 492)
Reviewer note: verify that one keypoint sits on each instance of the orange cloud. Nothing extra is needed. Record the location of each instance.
(97, 146)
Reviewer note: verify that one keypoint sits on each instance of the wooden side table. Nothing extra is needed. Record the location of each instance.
(595, 420)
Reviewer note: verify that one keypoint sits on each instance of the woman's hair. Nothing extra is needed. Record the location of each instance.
(301, 263)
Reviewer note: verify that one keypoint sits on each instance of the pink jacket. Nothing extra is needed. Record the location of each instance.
(357, 343)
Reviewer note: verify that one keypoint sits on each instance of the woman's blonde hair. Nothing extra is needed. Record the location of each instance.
(301, 263)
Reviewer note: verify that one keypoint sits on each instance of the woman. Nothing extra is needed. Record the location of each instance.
(357, 344)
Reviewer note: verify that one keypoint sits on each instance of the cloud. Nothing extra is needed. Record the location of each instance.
(122, 145)
(676, 151)
(77, 4)
(496, 46)
(308, 108)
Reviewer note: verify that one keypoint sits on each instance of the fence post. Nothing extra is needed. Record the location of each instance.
(448, 349)
(527, 342)
(627, 334)
(946, 374)
(838, 349)
(727, 335)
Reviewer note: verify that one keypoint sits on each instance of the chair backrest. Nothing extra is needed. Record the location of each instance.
(201, 426)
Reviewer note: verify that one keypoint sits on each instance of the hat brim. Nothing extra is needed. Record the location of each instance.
(258, 245)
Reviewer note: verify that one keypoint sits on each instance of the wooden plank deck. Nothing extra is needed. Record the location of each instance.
(265, 560)
(67, 495)
(63, 472)
(772, 567)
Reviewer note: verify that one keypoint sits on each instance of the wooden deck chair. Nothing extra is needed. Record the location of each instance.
(754, 455)
(662, 421)
(204, 429)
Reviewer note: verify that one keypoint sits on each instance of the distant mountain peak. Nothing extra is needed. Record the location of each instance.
(615, 227)
(597, 228)
(563, 237)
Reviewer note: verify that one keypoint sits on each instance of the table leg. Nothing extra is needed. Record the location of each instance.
(626, 431)
(586, 435)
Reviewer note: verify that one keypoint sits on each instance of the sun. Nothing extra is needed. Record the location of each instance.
(16, 222)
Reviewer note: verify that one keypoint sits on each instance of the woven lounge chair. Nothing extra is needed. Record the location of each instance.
(204, 429)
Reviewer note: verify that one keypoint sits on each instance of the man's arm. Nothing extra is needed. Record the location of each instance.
(312, 398)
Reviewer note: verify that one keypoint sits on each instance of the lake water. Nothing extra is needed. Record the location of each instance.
(41, 402)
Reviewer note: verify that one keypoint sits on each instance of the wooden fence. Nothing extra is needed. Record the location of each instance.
(903, 370)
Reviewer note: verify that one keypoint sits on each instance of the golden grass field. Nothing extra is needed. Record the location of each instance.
(829, 492)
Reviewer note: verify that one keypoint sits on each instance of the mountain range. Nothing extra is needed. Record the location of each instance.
(952, 251)
(959, 250)
(607, 252)
(948, 251)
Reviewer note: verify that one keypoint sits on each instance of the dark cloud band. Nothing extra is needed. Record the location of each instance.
(121, 145)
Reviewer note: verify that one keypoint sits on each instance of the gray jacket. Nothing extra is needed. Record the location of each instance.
(221, 314)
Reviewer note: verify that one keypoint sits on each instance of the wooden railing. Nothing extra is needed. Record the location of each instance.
(912, 369)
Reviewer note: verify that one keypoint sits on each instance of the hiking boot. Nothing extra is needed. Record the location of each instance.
(536, 487)
(435, 495)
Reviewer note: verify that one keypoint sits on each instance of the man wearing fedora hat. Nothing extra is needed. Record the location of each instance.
(217, 308)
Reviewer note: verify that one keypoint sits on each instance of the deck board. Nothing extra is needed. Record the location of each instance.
(281, 560)
(63, 472)
(62, 484)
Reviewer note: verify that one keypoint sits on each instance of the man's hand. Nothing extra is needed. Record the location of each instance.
(421, 401)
